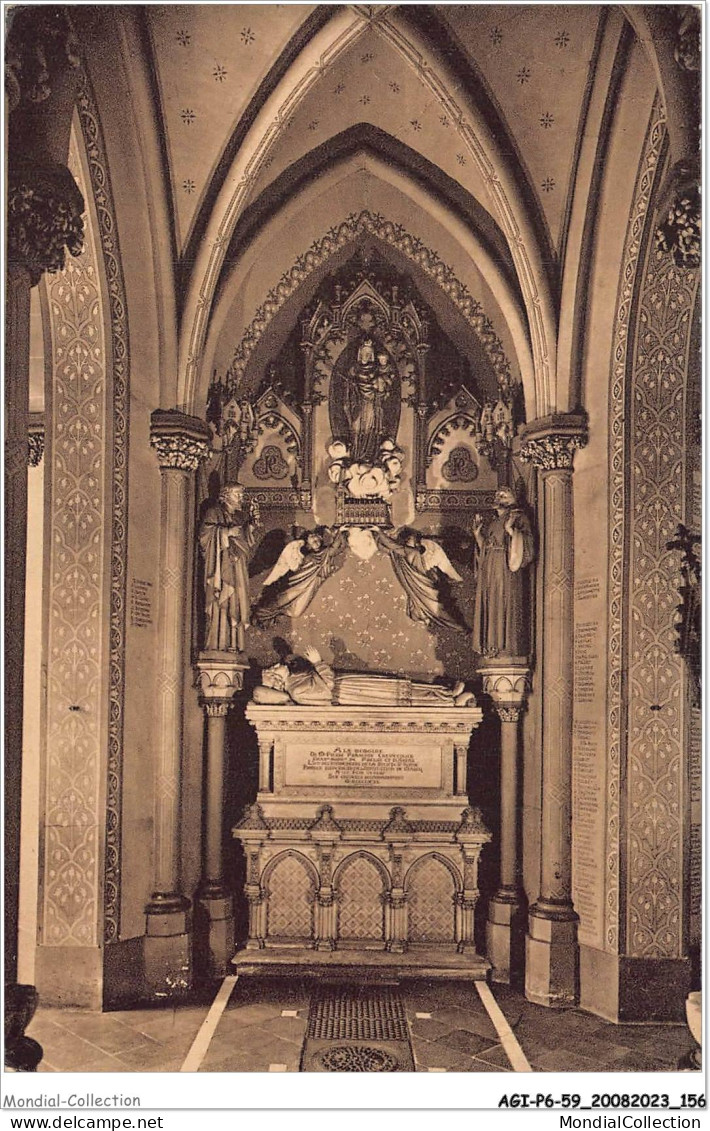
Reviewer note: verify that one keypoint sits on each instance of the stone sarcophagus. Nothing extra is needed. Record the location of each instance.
(362, 838)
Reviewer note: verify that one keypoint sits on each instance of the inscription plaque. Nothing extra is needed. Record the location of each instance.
(588, 807)
(588, 762)
(586, 660)
(587, 588)
(141, 603)
(340, 766)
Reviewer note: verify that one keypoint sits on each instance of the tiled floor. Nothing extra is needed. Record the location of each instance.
(253, 1036)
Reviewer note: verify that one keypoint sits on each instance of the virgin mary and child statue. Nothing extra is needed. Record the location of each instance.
(364, 416)
(369, 388)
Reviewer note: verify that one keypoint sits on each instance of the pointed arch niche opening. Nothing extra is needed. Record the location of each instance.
(362, 200)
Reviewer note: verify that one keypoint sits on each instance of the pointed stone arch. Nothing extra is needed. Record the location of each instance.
(388, 233)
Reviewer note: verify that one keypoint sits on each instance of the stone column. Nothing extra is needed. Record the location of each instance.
(507, 685)
(217, 680)
(17, 353)
(471, 835)
(266, 746)
(180, 442)
(551, 968)
(461, 755)
(253, 832)
(325, 832)
(398, 835)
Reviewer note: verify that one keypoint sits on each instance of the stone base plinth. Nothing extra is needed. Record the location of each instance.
(216, 928)
(505, 933)
(70, 976)
(362, 843)
(623, 989)
(168, 952)
(431, 962)
(551, 960)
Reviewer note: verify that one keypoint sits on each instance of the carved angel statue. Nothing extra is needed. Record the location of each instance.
(416, 562)
(302, 567)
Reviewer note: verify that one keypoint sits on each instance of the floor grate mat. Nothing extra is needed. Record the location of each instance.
(357, 1029)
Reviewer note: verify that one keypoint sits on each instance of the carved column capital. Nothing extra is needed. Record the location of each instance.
(550, 443)
(181, 442)
(508, 714)
(217, 709)
(35, 439)
(44, 217)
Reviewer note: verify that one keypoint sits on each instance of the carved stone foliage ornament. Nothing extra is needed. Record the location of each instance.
(550, 444)
(679, 230)
(180, 442)
(551, 453)
(44, 218)
(35, 441)
(40, 42)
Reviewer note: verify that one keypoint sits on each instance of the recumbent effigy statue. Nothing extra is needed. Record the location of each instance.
(317, 683)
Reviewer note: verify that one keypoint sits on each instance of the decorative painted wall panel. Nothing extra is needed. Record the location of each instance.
(119, 391)
(648, 500)
(358, 621)
(76, 643)
(618, 490)
(655, 771)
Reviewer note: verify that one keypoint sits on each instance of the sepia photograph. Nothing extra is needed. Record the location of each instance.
(352, 574)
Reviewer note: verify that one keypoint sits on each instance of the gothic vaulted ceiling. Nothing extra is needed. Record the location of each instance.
(532, 63)
(210, 60)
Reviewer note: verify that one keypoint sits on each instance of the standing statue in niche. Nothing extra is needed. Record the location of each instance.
(232, 421)
(226, 538)
(365, 400)
(505, 548)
